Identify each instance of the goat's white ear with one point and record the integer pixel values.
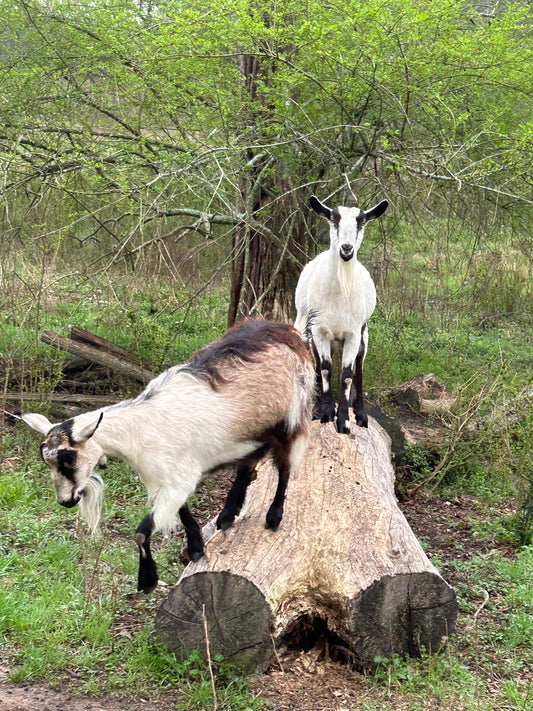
(377, 210)
(37, 422)
(81, 435)
(320, 208)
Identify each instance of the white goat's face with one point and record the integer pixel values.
(70, 453)
(347, 228)
(347, 225)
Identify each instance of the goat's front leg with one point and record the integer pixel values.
(349, 353)
(361, 417)
(195, 543)
(324, 409)
(147, 578)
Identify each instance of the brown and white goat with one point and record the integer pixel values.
(245, 395)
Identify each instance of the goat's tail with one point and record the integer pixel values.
(303, 323)
(92, 501)
(299, 414)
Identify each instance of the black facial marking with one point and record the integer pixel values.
(336, 217)
(66, 462)
(67, 427)
(360, 219)
(60, 435)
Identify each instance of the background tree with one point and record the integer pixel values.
(131, 130)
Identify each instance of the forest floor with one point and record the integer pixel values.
(312, 680)
(300, 681)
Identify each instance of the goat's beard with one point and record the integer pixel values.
(92, 501)
(345, 277)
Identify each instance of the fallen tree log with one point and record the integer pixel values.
(103, 344)
(89, 401)
(96, 355)
(344, 564)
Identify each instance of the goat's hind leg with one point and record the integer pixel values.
(237, 493)
(287, 455)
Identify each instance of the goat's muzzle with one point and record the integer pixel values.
(346, 251)
(70, 503)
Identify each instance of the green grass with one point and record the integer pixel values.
(68, 604)
(68, 608)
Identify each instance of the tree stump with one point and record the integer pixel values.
(343, 564)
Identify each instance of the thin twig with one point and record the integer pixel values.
(485, 600)
(476, 636)
(204, 618)
(276, 653)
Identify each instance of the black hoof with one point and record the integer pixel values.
(147, 590)
(324, 410)
(361, 420)
(343, 426)
(273, 518)
(224, 521)
(195, 555)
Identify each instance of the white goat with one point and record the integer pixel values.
(338, 293)
(245, 395)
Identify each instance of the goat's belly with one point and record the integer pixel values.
(216, 456)
(336, 334)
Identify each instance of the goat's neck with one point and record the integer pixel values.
(120, 434)
(343, 272)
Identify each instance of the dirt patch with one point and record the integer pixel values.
(41, 697)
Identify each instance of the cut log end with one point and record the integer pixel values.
(239, 620)
(402, 614)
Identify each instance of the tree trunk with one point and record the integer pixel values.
(344, 564)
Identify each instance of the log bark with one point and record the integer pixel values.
(95, 355)
(344, 564)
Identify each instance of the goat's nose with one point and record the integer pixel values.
(346, 252)
(70, 503)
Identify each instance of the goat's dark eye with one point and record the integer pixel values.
(66, 461)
